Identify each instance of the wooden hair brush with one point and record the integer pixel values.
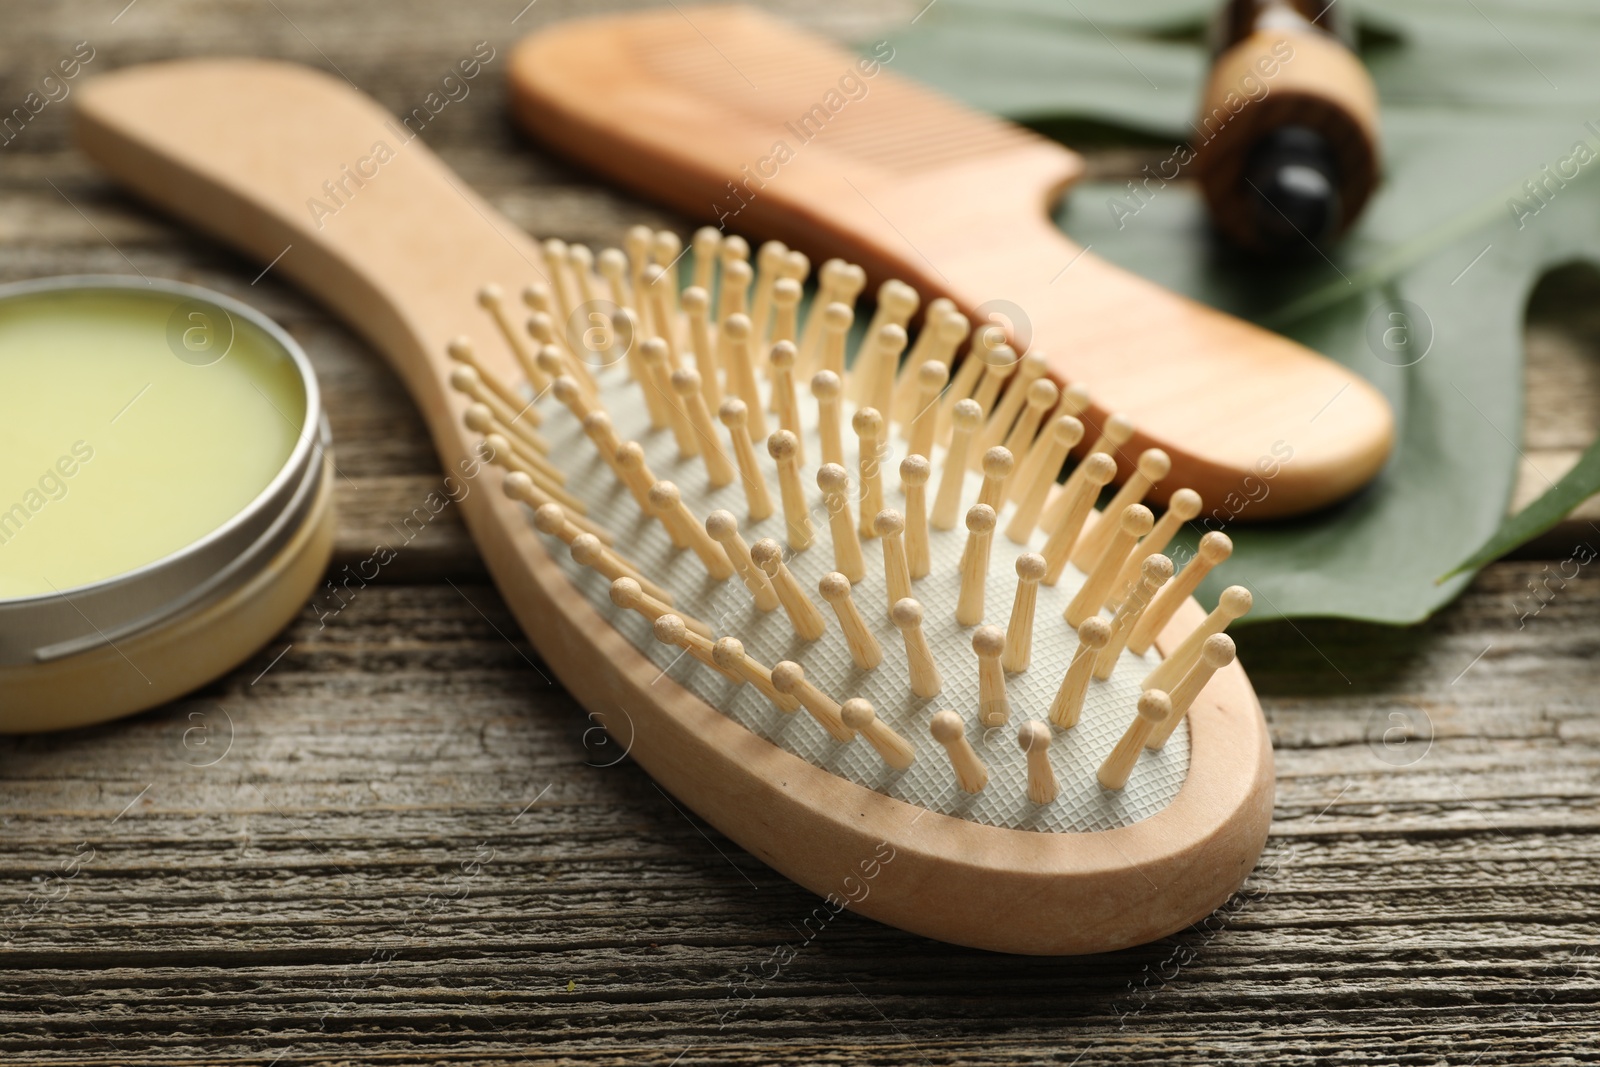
(727, 112)
(837, 607)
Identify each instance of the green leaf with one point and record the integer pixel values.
(1477, 98)
(1577, 485)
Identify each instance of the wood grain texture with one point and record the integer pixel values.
(275, 906)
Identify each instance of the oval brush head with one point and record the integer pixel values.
(864, 561)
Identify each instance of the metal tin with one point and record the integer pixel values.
(57, 625)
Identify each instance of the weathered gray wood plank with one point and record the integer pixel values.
(271, 871)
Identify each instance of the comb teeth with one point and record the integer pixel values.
(936, 638)
(797, 77)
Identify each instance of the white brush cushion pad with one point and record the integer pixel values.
(728, 609)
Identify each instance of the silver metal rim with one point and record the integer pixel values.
(54, 625)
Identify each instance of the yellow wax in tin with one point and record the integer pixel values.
(120, 442)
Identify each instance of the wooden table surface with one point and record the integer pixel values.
(387, 838)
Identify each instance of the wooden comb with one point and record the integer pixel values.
(688, 106)
(1024, 785)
